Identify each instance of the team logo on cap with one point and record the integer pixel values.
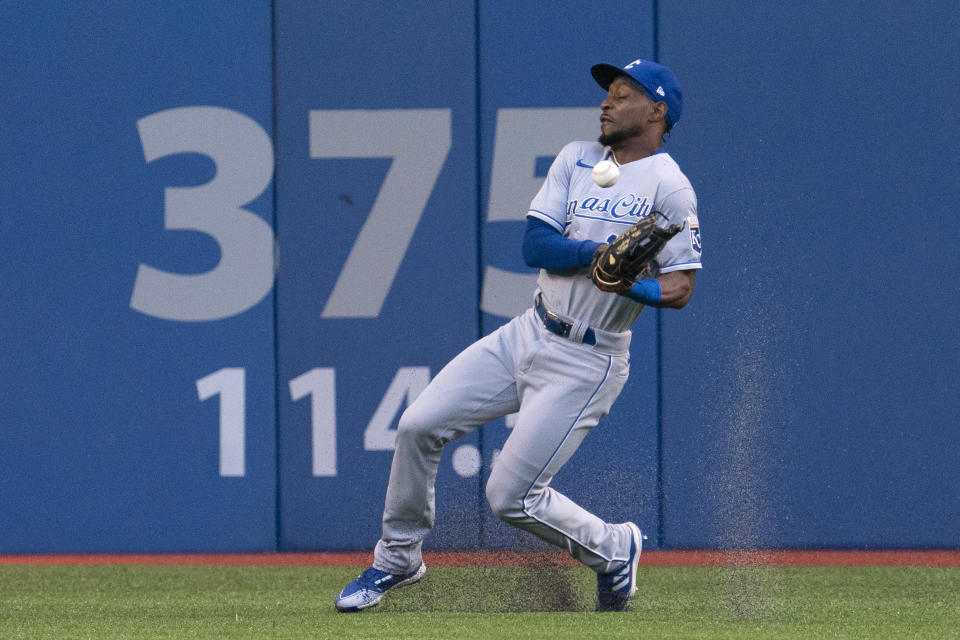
(634, 63)
(660, 92)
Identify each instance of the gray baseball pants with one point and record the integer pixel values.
(561, 389)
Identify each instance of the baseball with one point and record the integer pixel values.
(606, 173)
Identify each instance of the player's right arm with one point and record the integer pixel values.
(544, 247)
(544, 244)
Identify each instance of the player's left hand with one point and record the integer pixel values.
(620, 287)
(631, 255)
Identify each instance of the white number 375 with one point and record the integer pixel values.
(418, 140)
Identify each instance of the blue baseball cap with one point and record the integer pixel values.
(658, 81)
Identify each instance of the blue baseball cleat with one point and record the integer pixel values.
(370, 586)
(615, 589)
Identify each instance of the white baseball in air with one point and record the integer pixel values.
(606, 173)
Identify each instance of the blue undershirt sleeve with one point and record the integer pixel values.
(546, 248)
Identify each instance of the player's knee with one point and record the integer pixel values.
(410, 426)
(505, 496)
(416, 426)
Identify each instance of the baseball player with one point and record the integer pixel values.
(561, 364)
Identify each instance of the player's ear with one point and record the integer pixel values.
(659, 112)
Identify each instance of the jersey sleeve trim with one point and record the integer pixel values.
(546, 217)
(683, 266)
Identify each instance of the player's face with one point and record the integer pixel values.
(625, 113)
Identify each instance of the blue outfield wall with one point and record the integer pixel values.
(105, 444)
(822, 347)
(239, 240)
(377, 227)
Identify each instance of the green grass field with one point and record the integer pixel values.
(151, 601)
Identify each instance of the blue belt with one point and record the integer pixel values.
(554, 324)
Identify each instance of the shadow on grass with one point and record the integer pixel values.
(541, 586)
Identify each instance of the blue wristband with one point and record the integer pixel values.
(646, 291)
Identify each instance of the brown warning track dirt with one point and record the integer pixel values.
(946, 558)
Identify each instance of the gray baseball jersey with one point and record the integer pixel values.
(574, 205)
